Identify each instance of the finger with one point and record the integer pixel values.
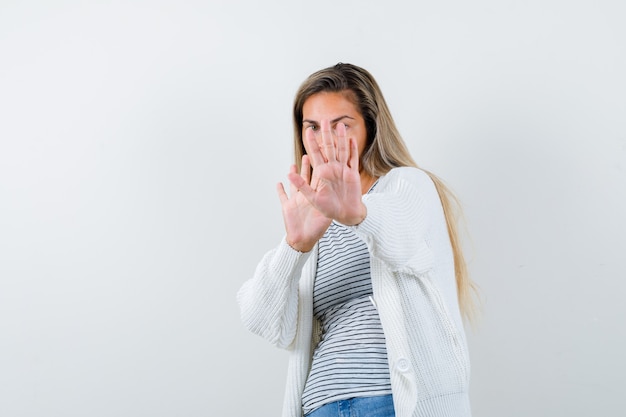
(343, 143)
(310, 177)
(305, 171)
(353, 163)
(315, 153)
(282, 195)
(292, 170)
(328, 142)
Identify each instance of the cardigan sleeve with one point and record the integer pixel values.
(268, 302)
(397, 223)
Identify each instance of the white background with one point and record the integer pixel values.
(140, 145)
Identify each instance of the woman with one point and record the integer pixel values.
(368, 286)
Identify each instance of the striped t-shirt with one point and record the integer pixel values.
(351, 358)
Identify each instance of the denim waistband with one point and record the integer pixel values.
(378, 406)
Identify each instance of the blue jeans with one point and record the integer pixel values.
(380, 406)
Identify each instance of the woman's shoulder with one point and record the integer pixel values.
(410, 180)
(408, 174)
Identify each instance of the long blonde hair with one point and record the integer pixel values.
(384, 150)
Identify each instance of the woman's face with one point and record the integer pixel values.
(325, 110)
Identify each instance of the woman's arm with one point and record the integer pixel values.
(269, 301)
(399, 211)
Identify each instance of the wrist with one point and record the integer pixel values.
(299, 246)
(364, 214)
(360, 218)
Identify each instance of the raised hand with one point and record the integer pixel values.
(305, 225)
(335, 186)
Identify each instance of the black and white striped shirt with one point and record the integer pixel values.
(351, 358)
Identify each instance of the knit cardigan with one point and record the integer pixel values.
(414, 290)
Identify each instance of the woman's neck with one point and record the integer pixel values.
(367, 181)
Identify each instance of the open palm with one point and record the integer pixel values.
(304, 224)
(335, 187)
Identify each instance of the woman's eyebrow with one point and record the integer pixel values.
(342, 117)
(345, 116)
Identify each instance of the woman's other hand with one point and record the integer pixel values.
(304, 224)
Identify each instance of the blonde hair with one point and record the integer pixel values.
(383, 151)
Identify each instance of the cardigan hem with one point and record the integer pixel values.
(449, 405)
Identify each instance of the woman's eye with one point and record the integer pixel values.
(312, 127)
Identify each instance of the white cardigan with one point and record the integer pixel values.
(414, 290)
